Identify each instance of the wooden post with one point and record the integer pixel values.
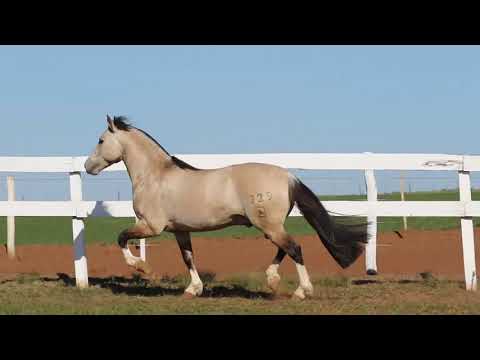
(468, 243)
(78, 228)
(371, 248)
(402, 194)
(11, 219)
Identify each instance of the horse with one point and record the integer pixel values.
(173, 196)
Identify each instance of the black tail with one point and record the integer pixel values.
(345, 242)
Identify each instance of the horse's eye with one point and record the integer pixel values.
(100, 141)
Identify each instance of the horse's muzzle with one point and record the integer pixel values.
(90, 167)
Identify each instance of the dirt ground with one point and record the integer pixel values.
(438, 252)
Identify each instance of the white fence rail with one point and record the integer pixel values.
(368, 162)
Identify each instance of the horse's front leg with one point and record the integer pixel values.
(184, 242)
(138, 231)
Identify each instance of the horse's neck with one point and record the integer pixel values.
(143, 159)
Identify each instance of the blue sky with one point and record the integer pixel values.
(243, 99)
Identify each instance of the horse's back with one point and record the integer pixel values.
(241, 180)
(258, 170)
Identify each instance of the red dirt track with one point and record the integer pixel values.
(439, 252)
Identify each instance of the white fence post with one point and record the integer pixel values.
(78, 228)
(402, 197)
(11, 219)
(371, 248)
(143, 250)
(468, 241)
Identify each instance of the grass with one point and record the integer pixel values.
(58, 230)
(242, 294)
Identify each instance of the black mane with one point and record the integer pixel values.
(182, 164)
(122, 123)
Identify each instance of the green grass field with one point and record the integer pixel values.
(57, 230)
(242, 294)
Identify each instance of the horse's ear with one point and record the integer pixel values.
(111, 124)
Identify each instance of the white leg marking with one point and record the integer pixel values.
(196, 286)
(306, 287)
(129, 258)
(273, 278)
(272, 270)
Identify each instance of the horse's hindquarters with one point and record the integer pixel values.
(263, 191)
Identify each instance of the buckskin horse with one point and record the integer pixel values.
(171, 195)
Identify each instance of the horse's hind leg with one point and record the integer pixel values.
(184, 242)
(138, 231)
(285, 242)
(273, 278)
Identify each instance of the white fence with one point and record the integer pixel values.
(368, 162)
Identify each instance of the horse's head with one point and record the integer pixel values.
(109, 150)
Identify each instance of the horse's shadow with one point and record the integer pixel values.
(143, 287)
(399, 282)
(368, 281)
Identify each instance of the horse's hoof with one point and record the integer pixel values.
(188, 295)
(298, 295)
(371, 272)
(273, 283)
(143, 267)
